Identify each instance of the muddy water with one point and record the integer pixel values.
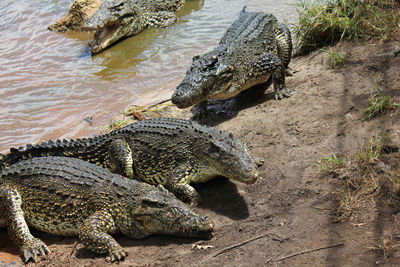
(49, 82)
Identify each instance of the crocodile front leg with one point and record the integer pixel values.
(269, 63)
(178, 183)
(278, 78)
(94, 235)
(121, 158)
(13, 218)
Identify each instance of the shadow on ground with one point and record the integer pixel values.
(221, 196)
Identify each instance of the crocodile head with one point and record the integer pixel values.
(208, 77)
(160, 212)
(114, 20)
(230, 157)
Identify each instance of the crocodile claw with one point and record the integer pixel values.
(117, 254)
(34, 248)
(283, 93)
(259, 161)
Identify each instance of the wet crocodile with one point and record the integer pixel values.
(79, 13)
(171, 152)
(71, 197)
(116, 19)
(254, 48)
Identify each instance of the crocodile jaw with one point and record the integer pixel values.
(187, 95)
(111, 32)
(184, 226)
(198, 227)
(160, 212)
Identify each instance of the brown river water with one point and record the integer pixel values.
(49, 82)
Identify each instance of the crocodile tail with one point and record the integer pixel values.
(89, 149)
(284, 39)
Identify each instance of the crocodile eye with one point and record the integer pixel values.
(211, 63)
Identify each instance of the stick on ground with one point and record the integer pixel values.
(304, 252)
(219, 252)
(159, 103)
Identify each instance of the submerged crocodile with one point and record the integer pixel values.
(69, 197)
(171, 152)
(116, 19)
(254, 48)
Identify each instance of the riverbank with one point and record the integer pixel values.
(67, 84)
(311, 206)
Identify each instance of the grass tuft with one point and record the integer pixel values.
(334, 58)
(372, 177)
(386, 245)
(379, 103)
(324, 22)
(372, 150)
(330, 164)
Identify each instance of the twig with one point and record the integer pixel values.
(73, 249)
(161, 102)
(224, 250)
(304, 252)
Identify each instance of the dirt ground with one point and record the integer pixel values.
(289, 216)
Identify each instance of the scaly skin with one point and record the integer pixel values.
(254, 48)
(69, 197)
(171, 152)
(116, 19)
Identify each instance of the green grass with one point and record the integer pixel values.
(330, 164)
(326, 22)
(334, 58)
(379, 103)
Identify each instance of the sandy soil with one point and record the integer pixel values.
(288, 217)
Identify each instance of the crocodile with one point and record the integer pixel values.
(79, 13)
(116, 19)
(254, 49)
(167, 151)
(71, 197)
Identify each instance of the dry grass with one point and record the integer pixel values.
(326, 22)
(135, 113)
(386, 245)
(372, 150)
(379, 103)
(370, 177)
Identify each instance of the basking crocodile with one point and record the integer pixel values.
(116, 19)
(68, 196)
(254, 48)
(171, 152)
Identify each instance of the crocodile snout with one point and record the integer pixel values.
(184, 96)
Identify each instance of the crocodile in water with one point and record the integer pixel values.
(116, 19)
